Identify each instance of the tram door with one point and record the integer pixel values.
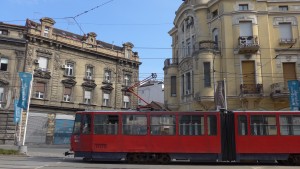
(82, 134)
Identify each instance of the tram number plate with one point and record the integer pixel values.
(100, 146)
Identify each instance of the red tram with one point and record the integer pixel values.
(187, 136)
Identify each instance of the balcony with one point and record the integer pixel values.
(279, 90)
(248, 45)
(171, 62)
(251, 90)
(287, 41)
(208, 44)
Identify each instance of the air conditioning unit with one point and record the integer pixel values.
(63, 66)
(36, 61)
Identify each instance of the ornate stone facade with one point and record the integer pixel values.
(71, 73)
(253, 45)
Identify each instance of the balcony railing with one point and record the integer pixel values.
(251, 89)
(279, 90)
(208, 44)
(287, 41)
(248, 44)
(171, 61)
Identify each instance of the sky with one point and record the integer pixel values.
(145, 23)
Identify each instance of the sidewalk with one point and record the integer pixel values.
(41, 150)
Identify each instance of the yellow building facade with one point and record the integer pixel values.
(250, 44)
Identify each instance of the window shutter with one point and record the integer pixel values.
(43, 62)
(246, 29)
(126, 99)
(106, 96)
(87, 94)
(285, 31)
(40, 87)
(68, 91)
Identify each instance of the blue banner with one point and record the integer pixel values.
(26, 78)
(294, 94)
(17, 113)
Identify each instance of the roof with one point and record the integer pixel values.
(73, 36)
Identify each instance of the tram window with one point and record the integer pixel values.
(86, 124)
(262, 125)
(289, 125)
(212, 125)
(134, 124)
(163, 125)
(77, 124)
(243, 130)
(192, 125)
(106, 124)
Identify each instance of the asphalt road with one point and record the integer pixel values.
(52, 158)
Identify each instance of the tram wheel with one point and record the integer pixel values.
(164, 159)
(131, 158)
(85, 159)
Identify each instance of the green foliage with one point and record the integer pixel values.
(8, 152)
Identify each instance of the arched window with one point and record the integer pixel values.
(215, 37)
(187, 37)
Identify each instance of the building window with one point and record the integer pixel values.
(163, 125)
(126, 101)
(215, 13)
(1, 94)
(3, 32)
(263, 125)
(67, 94)
(40, 90)
(46, 31)
(246, 29)
(207, 76)
(216, 36)
(285, 32)
(189, 47)
(43, 63)
(188, 83)
(182, 85)
(89, 73)
(3, 64)
(106, 99)
(69, 69)
(87, 96)
(192, 125)
(107, 76)
(127, 80)
(173, 86)
(289, 125)
(283, 8)
(127, 54)
(243, 7)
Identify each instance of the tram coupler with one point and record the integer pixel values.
(68, 153)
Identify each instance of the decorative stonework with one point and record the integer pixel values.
(89, 84)
(287, 19)
(42, 74)
(69, 82)
(29, 59)
(244, 17)
(186, 65)
(57, 62)
(43, 51)
(107, 87)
